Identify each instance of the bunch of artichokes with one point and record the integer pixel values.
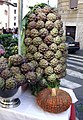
(45, 45)
(11, 75)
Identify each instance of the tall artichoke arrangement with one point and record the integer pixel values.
(46, 50)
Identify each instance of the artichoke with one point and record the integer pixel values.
(3, 60)
(43, 63)
(32, 17)
(3, 66)
(48, 70)
(25, 67)
(39, 24)
(49, 25)
(54, 62)
(58, 24)
(20, 79)
(37, 41)
(54, 32)
(33, 64)
(58, 68)
(10, 83)
(39, 73)
(41, 16)
(34, 33)
(49, 55)
(27, 41)
(43, 32)
(31, 77)
(48, 39)
(38, 56)
(58, 54)
(15, 60)
(6, 73)
(32, 25)
(53, 47)
(27, 32)
(62, 47)
(46, 10)
(29, 56)
(38, 10)
(39, 70)
(51, 17)
(15, 70)
(61, 75)
(52, 77)
(62, 60)
(32, 49)
(43, 48)
(57, 40)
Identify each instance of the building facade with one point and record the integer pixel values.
(72, 16)
(3, 15)
(13, 11)
(8, 14)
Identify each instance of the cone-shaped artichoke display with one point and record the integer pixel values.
(45, 45)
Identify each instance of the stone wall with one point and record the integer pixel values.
(72, 17)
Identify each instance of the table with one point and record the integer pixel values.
(29, 110)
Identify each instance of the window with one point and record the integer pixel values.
(14, 23)
(14, 17)
(14, 11)
(73, 4)
(15, 4)
(5, 12)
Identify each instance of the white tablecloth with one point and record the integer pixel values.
(29, 110)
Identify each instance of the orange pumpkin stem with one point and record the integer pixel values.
(54, 91)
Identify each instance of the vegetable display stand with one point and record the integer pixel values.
(46, 52)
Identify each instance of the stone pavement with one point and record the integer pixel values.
(79, 109)
(79, 52)
(79, 104)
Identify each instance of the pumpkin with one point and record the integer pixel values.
(54, 100)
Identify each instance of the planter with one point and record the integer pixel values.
(8, 93)
(9, 98)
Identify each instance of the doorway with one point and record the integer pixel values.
(71, 31)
